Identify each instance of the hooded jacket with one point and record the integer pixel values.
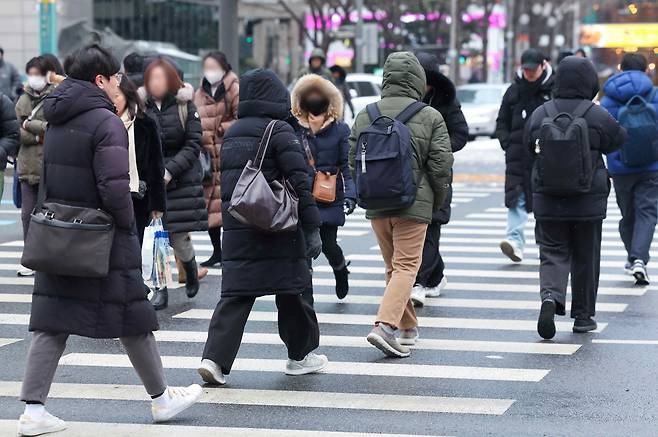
(577, 81)
(9, 131)
(519, 102)
(404, 84)
(322, 71)
(329, 146)
(443, 98)
(618, 90)
(86, 164)
(256, 263)
(181, 145)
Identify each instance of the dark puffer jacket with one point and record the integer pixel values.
(519, 102)
(443, 98)
(577, 81)
(258, 263)
(186, 208)
(86, 164)
(9, 131)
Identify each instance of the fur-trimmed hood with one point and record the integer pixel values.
(313, 81)
(183, 95)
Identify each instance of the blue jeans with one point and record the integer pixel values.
(637, 197)
(517, 218)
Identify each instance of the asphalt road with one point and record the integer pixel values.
(479, 368)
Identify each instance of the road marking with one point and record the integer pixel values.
(424, 322)
(529, 233)
(503, 224)
(8, 341)
(626, 342)
(528, 251)
(503, 216)
(15, 298)
(14, 319)
(360, 342)
(333, 368)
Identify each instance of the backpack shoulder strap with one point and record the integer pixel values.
(373, 111)
(652, 95)
(182, 113)
(411, 110)
(551, 109)
(582, 108)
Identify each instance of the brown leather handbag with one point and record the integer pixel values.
(324, 183)
(268, 206)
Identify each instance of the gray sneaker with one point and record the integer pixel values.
(408, 337)
(387, 343)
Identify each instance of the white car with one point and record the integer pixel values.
(480, 104)
(364, 89)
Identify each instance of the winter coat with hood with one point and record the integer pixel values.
(329, 146)
(32, 128)
(257, 263)
(186, 208)
(86, 164)
(576, 82)
(618, 90)
(217, 113)
(443, 98)
(322, 71)
(404, 84)
(9, 131)
(519, 102)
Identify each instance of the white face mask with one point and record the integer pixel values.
(214, 76)
(37, 83)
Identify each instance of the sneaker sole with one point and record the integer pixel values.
(508, 251)
(42, 431)
(546, 322)
(383, 346)
(209, 378)
(408, 342)
(584, 329)
(306, 370)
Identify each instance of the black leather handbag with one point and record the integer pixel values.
(68, 240)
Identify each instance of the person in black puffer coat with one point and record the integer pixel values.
(531, 89)
(257, 263)
(442, 96)
(568, 229)
(318, 107)
(169, 101)
(86, 165)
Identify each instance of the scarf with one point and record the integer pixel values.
(129, 124)
(316, 122)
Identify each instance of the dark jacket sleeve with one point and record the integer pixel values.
(291, 162)
(9, 131)
(111, 171)
(188, 155)
(156, 189)
(346, 174)
(504, 120)
(613, 135)
(456, 124)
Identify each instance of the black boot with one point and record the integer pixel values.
(342, 283)
(160, 299)
(546, 322)
(192, 274)
(216, 240)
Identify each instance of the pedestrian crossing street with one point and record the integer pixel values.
(479, 354)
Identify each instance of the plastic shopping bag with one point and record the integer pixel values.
(148, 248)
(162, 260)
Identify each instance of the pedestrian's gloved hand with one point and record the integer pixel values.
(313, 243)
(350, 205)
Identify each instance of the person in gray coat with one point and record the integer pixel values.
(10, 80)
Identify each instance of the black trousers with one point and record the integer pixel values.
(298, 328)
(431, 269)
(570, 247)
(330, 247)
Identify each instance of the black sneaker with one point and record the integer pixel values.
(584, 325)
(342, 281)
(546, 323)
(640, 273)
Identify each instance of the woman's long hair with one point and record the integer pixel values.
(174, 82)
(134, 104)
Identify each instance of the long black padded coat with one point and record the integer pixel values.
(86, 164)
(186, 207)
(256, 263)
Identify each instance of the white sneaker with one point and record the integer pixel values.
(24, 271)
(312, 363)
(418, 295)
(211, 373)
(178, 400)
(436, 291)
(511, 251)
(47, 423)
(408, 337)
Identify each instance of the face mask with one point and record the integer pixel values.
(214, 76)
(37, 83)
(317, 107)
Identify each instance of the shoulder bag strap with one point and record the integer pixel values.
(307, 149)
(264, 143)
(408, 112)
(36, 108)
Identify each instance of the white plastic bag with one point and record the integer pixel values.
(162, 260)
(148, 248)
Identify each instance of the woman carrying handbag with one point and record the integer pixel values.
(318, 107)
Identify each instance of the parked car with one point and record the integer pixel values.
(480, 103)
(365, 89)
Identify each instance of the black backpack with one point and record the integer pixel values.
(563, 158)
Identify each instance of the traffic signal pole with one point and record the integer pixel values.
(228, 31)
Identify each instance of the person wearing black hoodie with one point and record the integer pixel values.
(531, 89)
(441, 95)
(568, 228)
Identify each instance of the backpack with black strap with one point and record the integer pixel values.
(638, 116)
(384, 161)
(563, 163)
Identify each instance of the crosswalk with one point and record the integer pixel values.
(478, 356)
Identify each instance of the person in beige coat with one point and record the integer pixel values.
(217, 103)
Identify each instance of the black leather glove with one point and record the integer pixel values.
(313, 243)
(350, 205)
